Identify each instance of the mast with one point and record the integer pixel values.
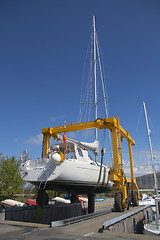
(151, 152)
(95, 80)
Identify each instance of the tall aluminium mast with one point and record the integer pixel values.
(96, 48)
(151, 152)
(95, 80)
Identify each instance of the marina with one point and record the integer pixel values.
(67, 166)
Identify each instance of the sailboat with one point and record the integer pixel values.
(67, 167)
(153, 227)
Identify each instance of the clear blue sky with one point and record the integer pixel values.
(42, 51)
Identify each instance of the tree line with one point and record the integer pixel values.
(10, 179)
(11, 182)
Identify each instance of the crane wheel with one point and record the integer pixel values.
(135, 198)
(118, 202)
(128, 200)
(127, 203)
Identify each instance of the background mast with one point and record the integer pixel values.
(151, 152)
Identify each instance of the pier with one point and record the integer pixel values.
(103, 224)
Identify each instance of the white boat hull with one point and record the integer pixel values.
(152, 228)
(148, 201)
(7, 203)
(69, 176)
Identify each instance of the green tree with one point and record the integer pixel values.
(10, 180)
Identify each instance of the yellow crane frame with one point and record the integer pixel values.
(116, 175)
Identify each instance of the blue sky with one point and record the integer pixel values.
(42, 52)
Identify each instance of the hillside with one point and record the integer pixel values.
(147, 181)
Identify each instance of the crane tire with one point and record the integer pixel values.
(135, 198)
(118, 202)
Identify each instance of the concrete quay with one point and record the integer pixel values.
(88, 229)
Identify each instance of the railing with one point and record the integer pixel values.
(109, 223)
(78, 219)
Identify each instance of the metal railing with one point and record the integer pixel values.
(109, 223)
(78, 219)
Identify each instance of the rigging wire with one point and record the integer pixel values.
(82, 97)
(86, 91)
(104, 94)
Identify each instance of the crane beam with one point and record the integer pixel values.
(105, 123)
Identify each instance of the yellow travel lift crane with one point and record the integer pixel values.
(126, 188)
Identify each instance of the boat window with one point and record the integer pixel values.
(61, 150)
(69, 150)
(80, 152)
(70, 155)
